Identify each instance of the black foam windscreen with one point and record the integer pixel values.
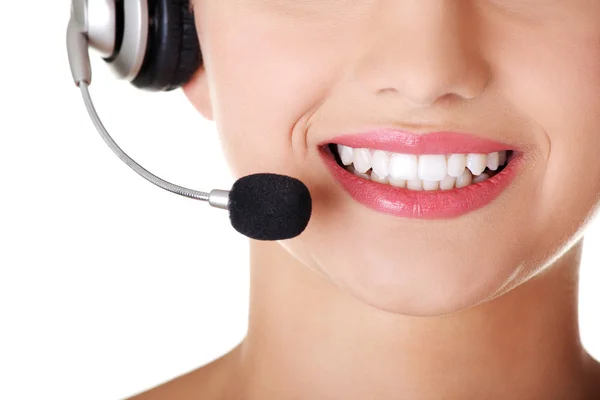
(269, 206)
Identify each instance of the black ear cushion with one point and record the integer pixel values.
(173, 52)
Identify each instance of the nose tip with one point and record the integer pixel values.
(424, 88)
(431, 53)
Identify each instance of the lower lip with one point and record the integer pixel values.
(435, 204)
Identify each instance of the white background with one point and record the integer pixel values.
(108, 284)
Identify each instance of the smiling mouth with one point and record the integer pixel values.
(427, 175)
(420, 172)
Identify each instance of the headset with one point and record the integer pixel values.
(154, 45)
(151, 43)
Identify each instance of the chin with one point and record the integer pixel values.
(418, 268)
(414, 284)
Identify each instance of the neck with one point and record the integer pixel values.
(309, 339)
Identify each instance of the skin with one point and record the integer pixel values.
(367, 305)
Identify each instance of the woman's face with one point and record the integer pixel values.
(282, 77)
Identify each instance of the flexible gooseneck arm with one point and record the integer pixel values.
(79, 61)
(194, 194)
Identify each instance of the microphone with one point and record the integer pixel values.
(261, 206)
(267, 206)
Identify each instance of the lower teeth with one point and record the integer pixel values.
(466, 179)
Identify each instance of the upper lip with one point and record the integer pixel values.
(438, 142)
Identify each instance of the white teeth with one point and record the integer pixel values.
(346, 154)
(403, 166)
(421, 172)
(431, 185)
(493, 161)
(480, 178)
(432, 167)
(414, 184)
(464, 179)
(501, 157)
(476, 163)
(381, 163)
(378, 178)
(447, 183)
(362, 160)
(456, 165)
(397, 182)
(355, 172)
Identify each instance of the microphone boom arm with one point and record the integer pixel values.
(216, 198)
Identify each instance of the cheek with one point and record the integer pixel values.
(555, 82)
(264, 84)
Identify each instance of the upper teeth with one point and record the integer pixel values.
(426, 167)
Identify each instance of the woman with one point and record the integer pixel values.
(435, 265)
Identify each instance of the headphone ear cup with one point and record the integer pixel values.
(173, 51)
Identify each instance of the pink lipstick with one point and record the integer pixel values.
(407, 203)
